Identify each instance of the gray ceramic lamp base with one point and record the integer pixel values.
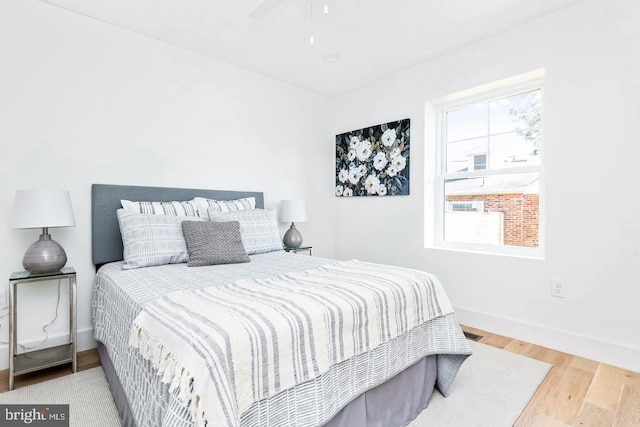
(44, 256)
(292, 238)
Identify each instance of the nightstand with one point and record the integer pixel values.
(32, 361)
(299, 249)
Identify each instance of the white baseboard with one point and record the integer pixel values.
(85, 341)
(624, 357)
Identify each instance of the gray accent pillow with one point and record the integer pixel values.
(212, 243)
(150, 240)
(258, 227)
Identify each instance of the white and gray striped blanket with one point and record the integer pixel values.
(223, 348)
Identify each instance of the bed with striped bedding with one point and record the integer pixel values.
(430, 327)
(250, 339)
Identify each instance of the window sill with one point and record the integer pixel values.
(525, 253)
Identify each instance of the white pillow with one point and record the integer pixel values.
(204, 205)
(150, 240)
(258, 227)
(188, 208)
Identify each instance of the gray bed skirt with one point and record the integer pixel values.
(394, 403)
(120, 399)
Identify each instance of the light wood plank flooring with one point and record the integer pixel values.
(86, 360)
(576, 392)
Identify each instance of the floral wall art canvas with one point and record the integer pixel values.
(373, 161)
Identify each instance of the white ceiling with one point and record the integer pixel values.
(373, 38)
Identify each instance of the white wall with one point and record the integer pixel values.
(591, 53)
(83, 102)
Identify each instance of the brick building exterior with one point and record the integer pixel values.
(521, 215)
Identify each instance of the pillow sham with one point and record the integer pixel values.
(213, 243)
(204, 205)
(150, 240)
(188, 208)
(258, 227)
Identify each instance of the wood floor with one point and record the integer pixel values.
(576, 392)
(86, 360)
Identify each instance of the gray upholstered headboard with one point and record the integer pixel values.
(106, 243)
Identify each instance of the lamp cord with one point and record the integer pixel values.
(5, 313)
(45, 327)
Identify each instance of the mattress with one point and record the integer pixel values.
(119, 296)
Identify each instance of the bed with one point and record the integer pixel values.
(383, 380)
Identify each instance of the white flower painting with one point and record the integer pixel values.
(373, 161)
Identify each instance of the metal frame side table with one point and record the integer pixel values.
(32, 361)
(299, 249)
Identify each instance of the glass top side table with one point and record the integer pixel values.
(32, 361)
(299, 249)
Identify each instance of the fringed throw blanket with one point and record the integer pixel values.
(226, 347)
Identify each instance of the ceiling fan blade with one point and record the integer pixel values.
(263, 8)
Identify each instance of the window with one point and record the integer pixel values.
(479, 162)
(465, 206)
(488, 178)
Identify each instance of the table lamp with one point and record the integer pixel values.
(292, 211)
(43, 209)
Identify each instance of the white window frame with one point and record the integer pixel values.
(435, 112)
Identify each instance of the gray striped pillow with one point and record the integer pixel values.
(258, 227)
(223, 205)
(150, 240)
(213, 243)
(188, 208)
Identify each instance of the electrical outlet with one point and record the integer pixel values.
(558, 288)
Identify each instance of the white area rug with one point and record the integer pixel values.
(492, 388)
(86, 392)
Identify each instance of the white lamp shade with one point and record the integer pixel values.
(293, 211)
(42, 208)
